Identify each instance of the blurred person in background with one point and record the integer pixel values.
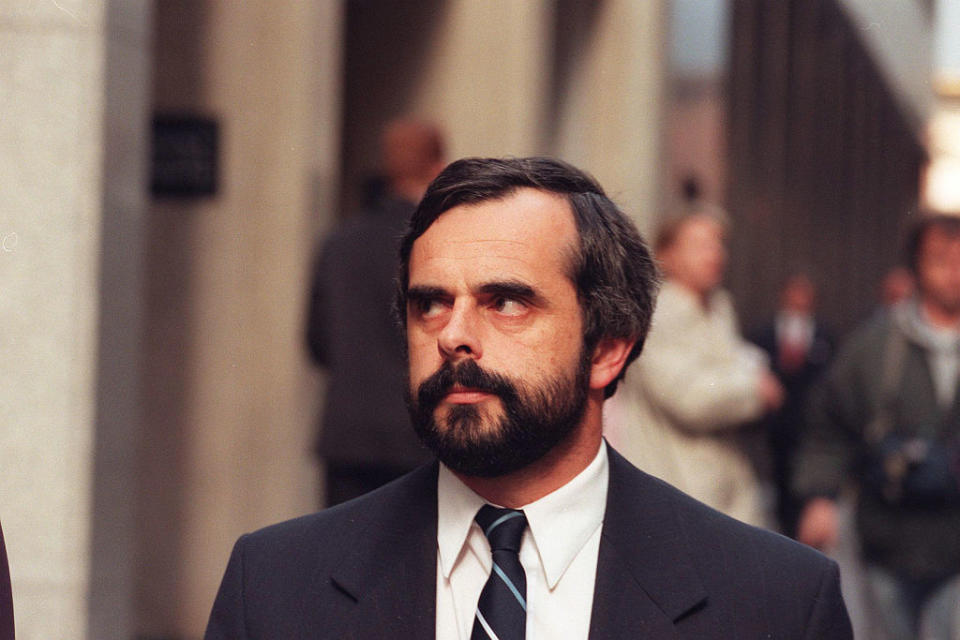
(941, 615)
(364, 438)
(700, 384)
(799, 347)
(887, 419)
(897, 285)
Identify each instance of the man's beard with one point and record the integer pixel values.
(533, 419)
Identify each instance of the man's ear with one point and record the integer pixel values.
(609, 357)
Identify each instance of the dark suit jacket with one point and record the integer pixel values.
(817, 358)
(352, 334)
(784, 427)
(668, 567)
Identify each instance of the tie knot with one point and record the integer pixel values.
(503, 527)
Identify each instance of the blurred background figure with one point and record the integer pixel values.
(799, 347)
(698, 383)
(887, 419)
(897, 285)
(364, 438)
(941, 615)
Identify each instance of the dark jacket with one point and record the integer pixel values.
(797, 381)
(668, 567)
(352, 334)
(918, 543)
(784, 427)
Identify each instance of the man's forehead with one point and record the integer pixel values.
(700, 225)
(519, 217)
(938, 243)
(527, 235)
(943, 234)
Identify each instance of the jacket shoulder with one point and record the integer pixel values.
(705, 527)
(314, 541)
(750, 578)
(281, 581)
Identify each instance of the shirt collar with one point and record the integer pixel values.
(561, 522)
(912, 319)
(795, 327)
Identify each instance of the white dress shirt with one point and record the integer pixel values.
(558, 553)
(795, 329)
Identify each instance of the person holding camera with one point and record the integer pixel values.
(886, 419)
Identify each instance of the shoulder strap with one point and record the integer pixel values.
(894, 355)
(950, 426)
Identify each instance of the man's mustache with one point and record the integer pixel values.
(466, 374)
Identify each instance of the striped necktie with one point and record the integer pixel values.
(502, 609)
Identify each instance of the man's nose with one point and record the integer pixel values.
(459, 338)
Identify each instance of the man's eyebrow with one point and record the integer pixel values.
(417, 293)
(512, 289)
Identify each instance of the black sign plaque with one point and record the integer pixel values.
(184, 156)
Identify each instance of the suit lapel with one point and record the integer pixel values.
(385, 583)
(645, 579)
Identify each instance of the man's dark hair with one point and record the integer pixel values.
(926, 222)
(615, 277)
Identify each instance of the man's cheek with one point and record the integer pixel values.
(420, 371)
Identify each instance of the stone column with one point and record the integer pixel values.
(610, 101)
(487, 76)
(73, 87)
(230, 399)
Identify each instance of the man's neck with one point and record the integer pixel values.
(939, 317)
(558, 467)
(702, 297)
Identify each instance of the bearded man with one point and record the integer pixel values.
(524, 292)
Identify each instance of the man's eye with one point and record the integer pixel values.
(509, 306)
(427, 307)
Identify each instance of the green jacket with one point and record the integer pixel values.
(912, 542)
